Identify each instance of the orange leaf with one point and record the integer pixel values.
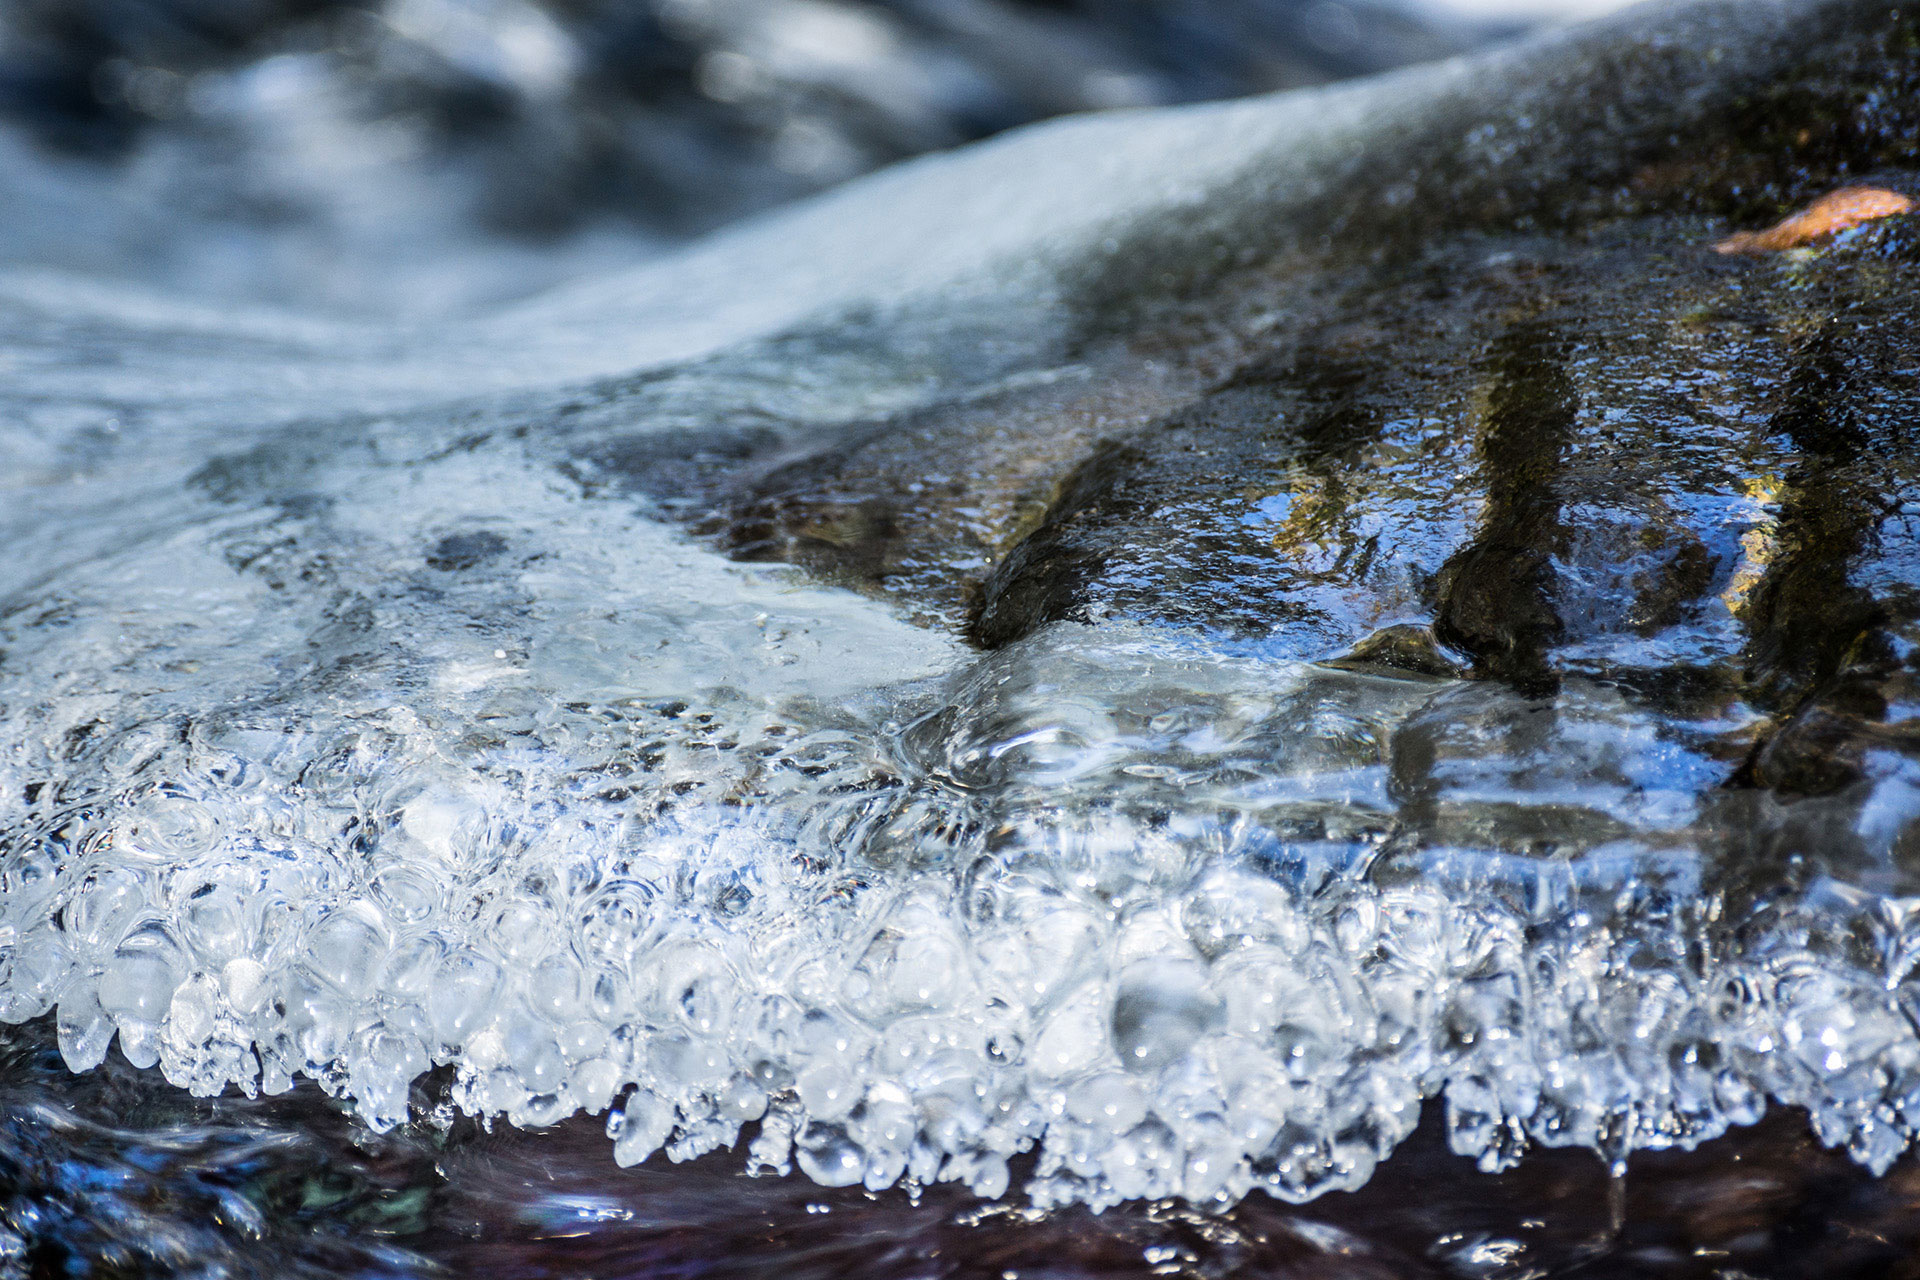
(1835, 211)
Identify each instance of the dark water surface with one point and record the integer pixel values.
(116, 1174)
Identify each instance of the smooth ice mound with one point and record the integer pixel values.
(348, 740)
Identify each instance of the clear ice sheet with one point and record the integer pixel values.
(344, 742)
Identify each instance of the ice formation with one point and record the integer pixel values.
(352, 743)
(426, 764)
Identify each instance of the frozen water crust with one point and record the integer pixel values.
(364, 744)
(436, 763)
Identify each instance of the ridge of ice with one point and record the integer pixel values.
(606, 822)
(607, 811)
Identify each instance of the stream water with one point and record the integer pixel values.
(1027, 716)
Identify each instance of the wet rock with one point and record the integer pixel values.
(1046, 577)
(1818, 749)
(1403, 647)
(1534, 412)
(459, 551)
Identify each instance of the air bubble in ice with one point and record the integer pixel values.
(1161, 1009)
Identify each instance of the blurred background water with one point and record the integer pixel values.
(421, 157)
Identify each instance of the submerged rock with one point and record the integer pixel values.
(1303, 608)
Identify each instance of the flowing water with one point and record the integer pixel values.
(1051, 704)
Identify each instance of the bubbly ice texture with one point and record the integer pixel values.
(347, 729)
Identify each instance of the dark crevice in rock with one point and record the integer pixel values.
(1046, 578)
(920, 506)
